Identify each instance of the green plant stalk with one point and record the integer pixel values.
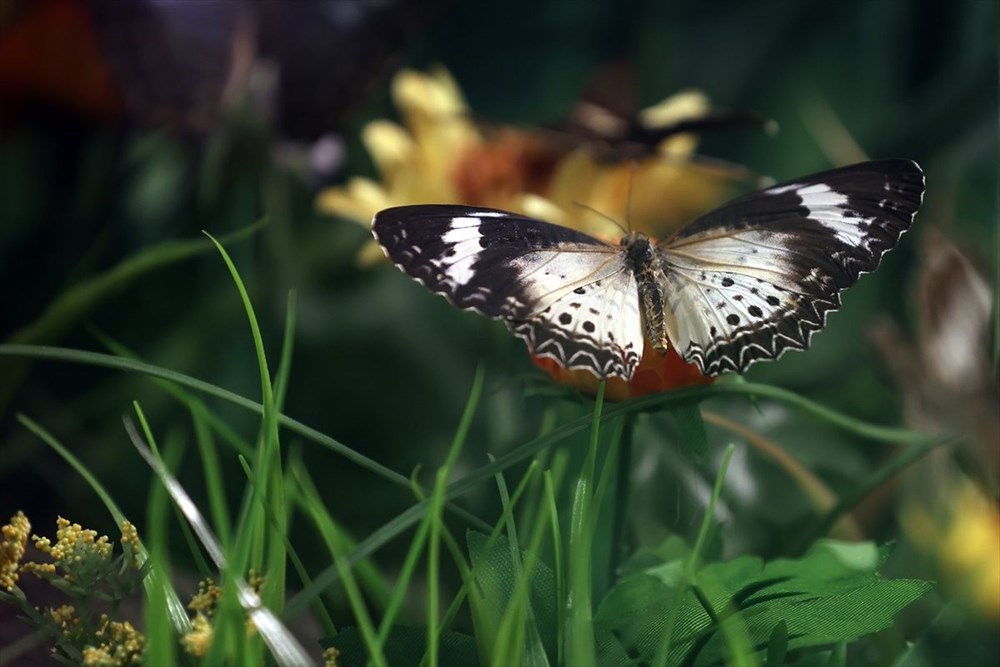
(403, 581)
(318, 608)
(161, 643)
(623, 492)
(580, 648)
(608, 465)
(312, 504)
(217, 505)
(550, 496)
(518, 638)
(740, 650)
(200, 563)
(466, 574)
(908, 457)
(434, 550)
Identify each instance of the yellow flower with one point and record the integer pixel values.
(199, 639)
(75, 547)
(440, 156)
(330, 656)
(130, 542)
(206, 599)
(965, 542)
(121, 644)
(15, 537)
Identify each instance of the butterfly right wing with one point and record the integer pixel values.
(568, 295)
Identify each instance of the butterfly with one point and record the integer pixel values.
(745, 282)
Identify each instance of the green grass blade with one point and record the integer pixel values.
(550, 497)
(285, 649)
(313, 505)
(133, 365)
(214, 484)
(268, 461)
(161, 643)
(67, 308)
(851, 499)
(580, 648)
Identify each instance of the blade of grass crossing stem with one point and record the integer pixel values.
(485, 631)
(691, 563)
(194, 405)
(200, 563)
(161, 643)
(740, 650)
(849, 500)
(214, 484)
(464, 571)
(313, 505)
(686, 395)
(436, 509)
(176, 610)
(580, 649)
(518, 640)
(403, 580)
(434, 550)
(268, 461)
(285, 649)
(86, 294)
(321, 613)
(602, 576)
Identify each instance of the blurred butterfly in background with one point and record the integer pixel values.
(745, 282)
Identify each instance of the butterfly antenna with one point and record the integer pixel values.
(601, 214)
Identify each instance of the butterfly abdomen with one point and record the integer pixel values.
(641, 258)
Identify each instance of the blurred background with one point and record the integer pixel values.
(125, 126)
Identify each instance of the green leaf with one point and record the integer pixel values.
(777, 645)
(404, 647)
(692, 427)
(496, 578)
(833, 594)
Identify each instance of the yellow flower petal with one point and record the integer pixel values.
(359, 200)
(389, 146)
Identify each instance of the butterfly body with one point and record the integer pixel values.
(745, 282)
(646, 263)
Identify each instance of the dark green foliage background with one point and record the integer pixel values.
(384, 367)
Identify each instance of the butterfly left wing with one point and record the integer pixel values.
(758, 275)
(568, 295)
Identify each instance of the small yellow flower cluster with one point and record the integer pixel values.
(65, 617)
(207, 597)
(121, 644)
(75, 545)
(203, 604)
(130, 541)
(15, 537)
(197, 641)
(330, 656)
